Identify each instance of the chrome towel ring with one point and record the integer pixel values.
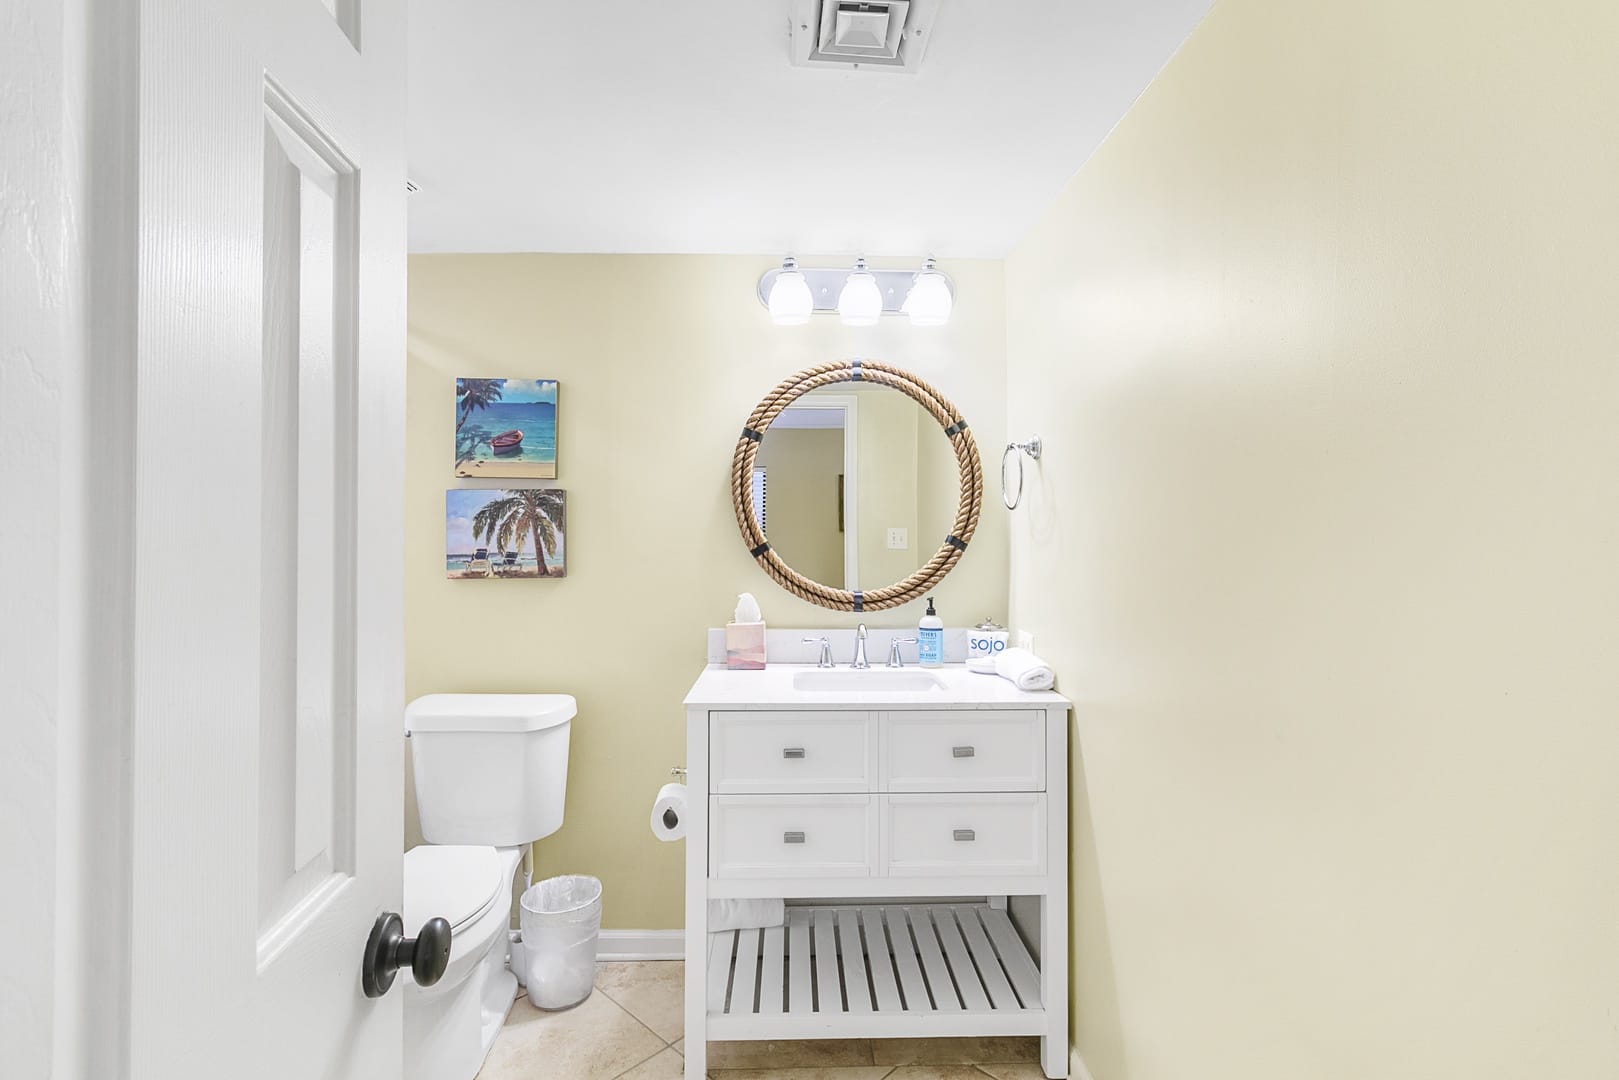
(1032, 449)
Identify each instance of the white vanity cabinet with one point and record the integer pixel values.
(920, 839)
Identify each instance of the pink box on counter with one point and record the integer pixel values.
(745, 646)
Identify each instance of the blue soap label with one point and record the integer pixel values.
(930, 646)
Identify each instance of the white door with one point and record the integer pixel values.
(265, 784)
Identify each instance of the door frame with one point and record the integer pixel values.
(69, 294)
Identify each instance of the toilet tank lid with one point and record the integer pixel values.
(489, 712)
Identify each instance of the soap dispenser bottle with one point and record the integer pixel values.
(930, 639)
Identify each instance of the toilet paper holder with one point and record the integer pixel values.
(679, 772)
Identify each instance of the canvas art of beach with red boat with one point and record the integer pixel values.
(506, 428)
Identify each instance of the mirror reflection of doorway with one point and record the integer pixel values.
(809, 460)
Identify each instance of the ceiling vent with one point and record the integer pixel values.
(880, 35)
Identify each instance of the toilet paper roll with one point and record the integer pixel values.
(669, 812)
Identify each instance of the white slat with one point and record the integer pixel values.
(910, 975)
(720, 947)
(1025, 976)
(770, 974)
(747, 971)
(955, 950)
(852, 962)
(828, 988)
(878, 962)
(989, 967)
(799, 995)
(874, 966)
(944, 997)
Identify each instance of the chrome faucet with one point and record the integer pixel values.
(825, 660)
(860, 660)
(894, 658)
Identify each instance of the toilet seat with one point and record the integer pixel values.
(456, 882)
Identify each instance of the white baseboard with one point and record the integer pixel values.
(642, 945)
(1076, 1066)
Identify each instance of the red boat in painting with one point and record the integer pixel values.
(507, 442)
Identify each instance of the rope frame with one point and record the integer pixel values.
(961, 441)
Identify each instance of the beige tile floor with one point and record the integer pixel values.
(630, 1029)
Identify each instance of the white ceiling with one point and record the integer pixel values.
(680, 125)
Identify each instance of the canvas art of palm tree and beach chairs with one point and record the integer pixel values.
(494, 533)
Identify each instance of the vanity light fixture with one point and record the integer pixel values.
(929, 301)
(790, 301)
(860, 302)
(860, 296)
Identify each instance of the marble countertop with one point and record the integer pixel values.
(773, 688)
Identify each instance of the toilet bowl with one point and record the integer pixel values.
(491, 776)
(450, 1025)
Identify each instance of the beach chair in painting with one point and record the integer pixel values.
(479, 563)
(508, 562)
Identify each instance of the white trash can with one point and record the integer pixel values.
(561, 919)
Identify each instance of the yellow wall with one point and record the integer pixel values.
(1324, 344)
(661, 358)
(886, 495)
(802, 466)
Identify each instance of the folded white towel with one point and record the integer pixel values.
(745, 914)
(1024, 669)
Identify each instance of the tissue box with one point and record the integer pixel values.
(745, 646)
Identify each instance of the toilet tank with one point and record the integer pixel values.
(489, 768)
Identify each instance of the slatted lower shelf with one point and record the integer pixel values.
(877, 971)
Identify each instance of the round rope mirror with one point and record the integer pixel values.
(962, 444)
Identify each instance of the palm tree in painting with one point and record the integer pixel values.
(473, 394)
(506, 522)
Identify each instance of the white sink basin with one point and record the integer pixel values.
(870, 680)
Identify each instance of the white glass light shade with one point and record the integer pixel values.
(790, 299)
(929, 302)
(861, 301)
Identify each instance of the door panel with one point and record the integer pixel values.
(266, 776)
(306, 718)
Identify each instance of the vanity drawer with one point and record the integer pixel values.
(791, 752)
(771, 836)
(964, 835)
(964, 751)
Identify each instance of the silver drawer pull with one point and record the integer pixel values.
(962, 751)
(792, 751)
(792, 837)
(964, 834)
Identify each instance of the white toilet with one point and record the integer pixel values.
(491, 773)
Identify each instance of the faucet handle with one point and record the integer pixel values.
(825, 659)
(894, 658)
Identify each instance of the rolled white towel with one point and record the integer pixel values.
(1024, 670)
(745, 914)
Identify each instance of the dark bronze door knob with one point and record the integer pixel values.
(388, 949)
